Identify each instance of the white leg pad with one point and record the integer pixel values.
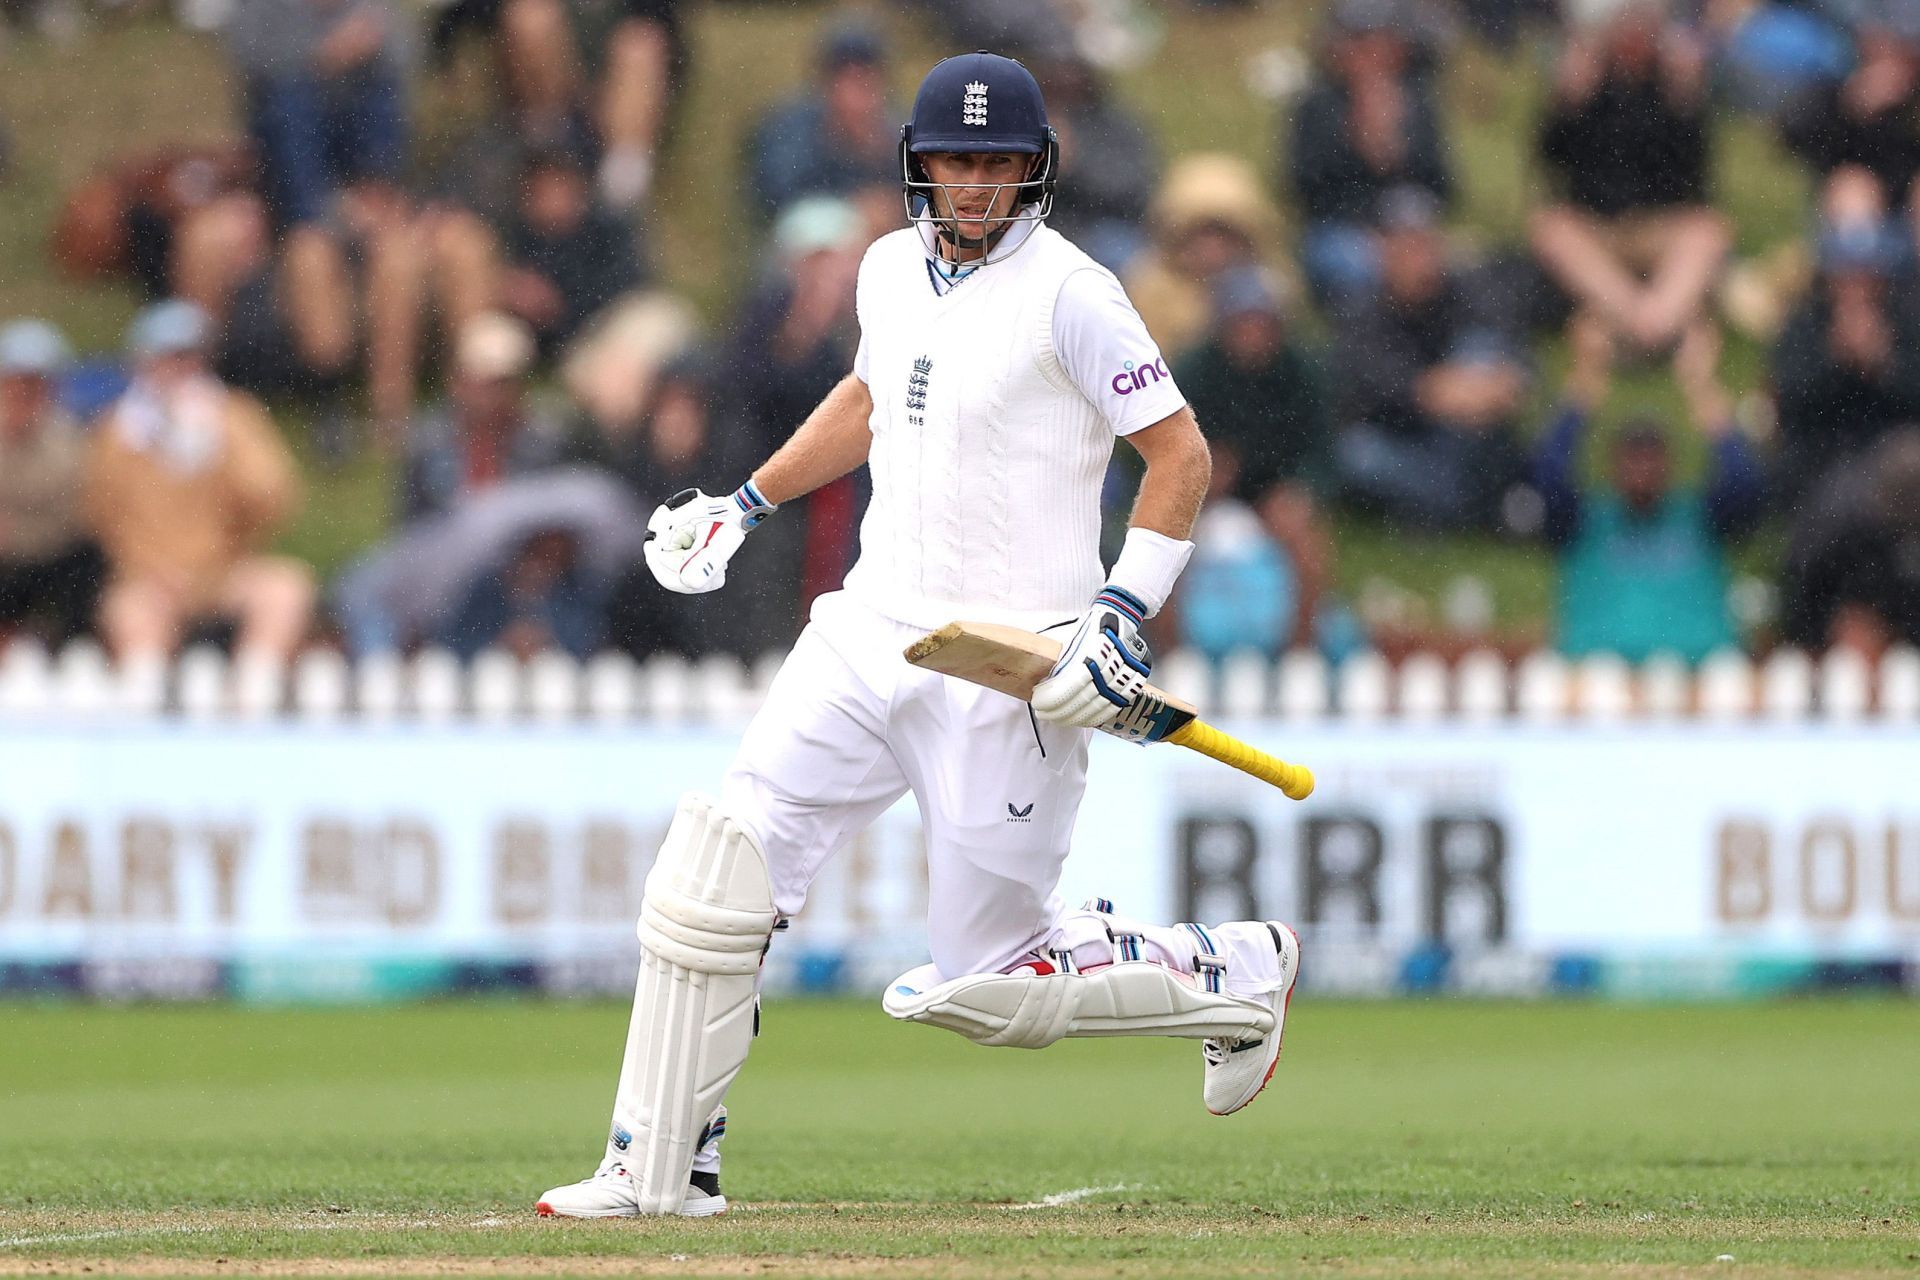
(704, 924)
(1132, 998)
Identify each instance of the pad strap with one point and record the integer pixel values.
(1209, 967)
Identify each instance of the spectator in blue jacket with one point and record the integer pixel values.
(1642, 559)
(838, 138)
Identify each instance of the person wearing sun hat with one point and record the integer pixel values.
(187, 482)
(487, 429)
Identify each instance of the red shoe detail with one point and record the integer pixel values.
(544, 1210)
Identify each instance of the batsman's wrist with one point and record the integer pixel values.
(753, 506)
(1122, 601)
(1149, 565)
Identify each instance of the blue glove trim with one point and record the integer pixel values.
(1104, 689)
(1123, 600)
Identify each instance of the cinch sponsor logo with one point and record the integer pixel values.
(1133, 377)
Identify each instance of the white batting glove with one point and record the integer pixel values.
(692, 536)
(1103, 666)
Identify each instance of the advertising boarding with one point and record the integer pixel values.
(302, 862)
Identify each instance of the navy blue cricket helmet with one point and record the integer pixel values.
(980, 102)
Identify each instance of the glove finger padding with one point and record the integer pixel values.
(1076, 702)
(1102, 668)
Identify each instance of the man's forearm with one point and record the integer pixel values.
(1179, 467)
(1173, 490)
(1170, 506)
(831, 442)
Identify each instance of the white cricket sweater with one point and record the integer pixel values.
(995, 405)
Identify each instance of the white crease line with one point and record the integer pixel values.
(79, 1237)
(1074, 1196)
(346, 1222)
(341, 1223)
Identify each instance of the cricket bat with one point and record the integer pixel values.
(1013, 661)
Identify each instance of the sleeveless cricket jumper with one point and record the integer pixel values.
(990, 444)
(986, 459)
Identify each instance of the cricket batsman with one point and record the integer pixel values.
(996, 364)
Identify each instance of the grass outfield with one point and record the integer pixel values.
(1398, 1140)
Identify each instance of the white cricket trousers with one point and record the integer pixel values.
(849, 726)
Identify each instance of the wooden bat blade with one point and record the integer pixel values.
(1003, 658)
(1006, 659)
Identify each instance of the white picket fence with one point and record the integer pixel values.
(79, 683)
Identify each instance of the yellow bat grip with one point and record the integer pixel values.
(1197, 735)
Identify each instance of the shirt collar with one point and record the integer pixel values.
(946, 276)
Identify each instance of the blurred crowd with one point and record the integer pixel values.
(496, 323)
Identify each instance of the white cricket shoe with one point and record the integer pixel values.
(1237, 1070)
(610, 1193)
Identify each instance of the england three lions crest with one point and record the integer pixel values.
(917, 390)
(973, 105)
